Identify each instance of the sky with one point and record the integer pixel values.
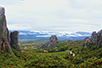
(53, 15)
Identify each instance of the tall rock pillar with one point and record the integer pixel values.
(4, 34)
(14, 40)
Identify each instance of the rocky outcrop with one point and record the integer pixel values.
(4, 34)
(94, 37)
(86, 42)
(97, 38)
(14, 40)
(51, 43)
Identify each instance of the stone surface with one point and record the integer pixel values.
(2, 11)
(14, 40)
(94, 38)
(52, 42)
(97, 38)
(4, 34)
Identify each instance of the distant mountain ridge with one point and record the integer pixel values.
(36, 35)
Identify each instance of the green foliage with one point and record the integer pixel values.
(13, 46)
(51, 50)
(7, 60)
(89, 57)
(14, 32)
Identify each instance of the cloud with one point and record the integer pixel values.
(53, 15)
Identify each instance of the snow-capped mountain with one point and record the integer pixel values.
(46, 34)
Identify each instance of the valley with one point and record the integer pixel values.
(50, 34)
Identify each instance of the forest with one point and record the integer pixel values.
(69, 54)
(52, 53)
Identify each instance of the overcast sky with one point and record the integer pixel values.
(53, 15)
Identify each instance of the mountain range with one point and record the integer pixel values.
(61, 35)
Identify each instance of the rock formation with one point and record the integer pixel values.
(97, 38)
(51, 43)
(4, 34)
(14, 40)
(94, 37)
(86, 43)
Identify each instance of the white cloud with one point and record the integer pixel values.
(54, 15)
(18, 27)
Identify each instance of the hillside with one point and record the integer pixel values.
(90, 57)
(48, 49)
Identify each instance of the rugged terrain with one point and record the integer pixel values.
(86, 53)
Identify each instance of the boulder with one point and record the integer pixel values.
(4, 34)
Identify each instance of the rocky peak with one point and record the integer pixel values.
(4, 34)
(86, 39)
(96, 38)
(86, 42)
(53, 38)
(52, 42)
(100, 34)
(2, 11)
(14, 40)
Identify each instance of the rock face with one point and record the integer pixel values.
(97, 38)
(4, 34)
(94, 37)
(2, 11)
(52, 42)
(14, 40)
